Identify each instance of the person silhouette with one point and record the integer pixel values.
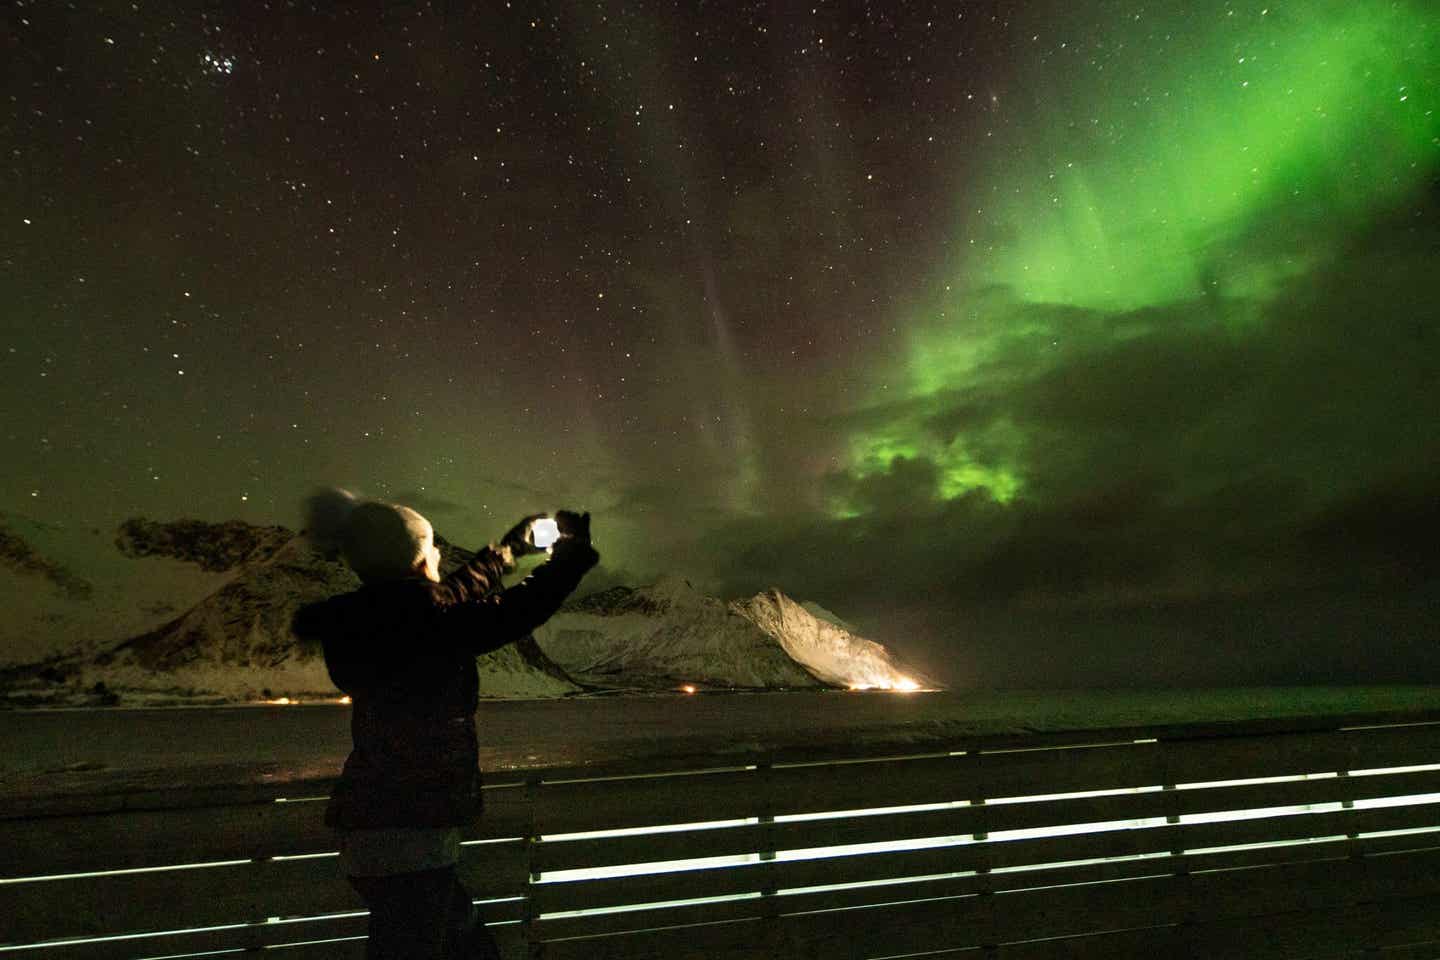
(403, 648)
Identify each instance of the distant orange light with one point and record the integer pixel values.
(894, 684)
(688, 688)
(344, 699)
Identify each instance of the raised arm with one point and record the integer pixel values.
(481, 576)
(471, 611)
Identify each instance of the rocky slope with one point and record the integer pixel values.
(66, 586)
(827, 646)
(669, 636)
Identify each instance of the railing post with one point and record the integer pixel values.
(535, 949)
(984, 886)
(766, 816)
(1179, 865)
(252, 938)
(767, 813)
(772, 934)
(1348, 803)
(1355, 853)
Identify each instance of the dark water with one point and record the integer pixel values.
(63, 751)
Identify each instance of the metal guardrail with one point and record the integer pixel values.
(1289, 838)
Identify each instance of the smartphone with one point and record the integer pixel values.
(544, 532)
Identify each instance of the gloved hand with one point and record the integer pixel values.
(519, 540)
(574, 526)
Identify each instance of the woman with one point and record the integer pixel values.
(403, 647)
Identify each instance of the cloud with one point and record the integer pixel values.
(1188, 469)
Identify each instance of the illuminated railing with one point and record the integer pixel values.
(1300, 838)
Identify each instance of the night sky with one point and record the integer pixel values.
(1072, 342)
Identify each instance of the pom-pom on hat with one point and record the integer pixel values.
(380, 541)
(326, 514)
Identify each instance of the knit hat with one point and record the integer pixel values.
(380, 541)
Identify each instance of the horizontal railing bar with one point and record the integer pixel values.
(562, 927)
(1069, 916)
(1144, 943)
(1198, 836)
(247, 937)
(173, 943)
(991, 817)
(1295, 792)
(1234, 758)
(311, 791)
(774, 874)
(164, 837)
(1289, 936)
(909, 743)
(725, 940)
(245, 892)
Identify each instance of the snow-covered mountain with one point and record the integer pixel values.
(668, 636)
(234, 642)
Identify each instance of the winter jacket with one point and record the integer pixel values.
(404, 650)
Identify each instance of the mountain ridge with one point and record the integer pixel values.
(235, 644)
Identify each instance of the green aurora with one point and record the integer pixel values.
(1054, 343)
(1208, 170)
